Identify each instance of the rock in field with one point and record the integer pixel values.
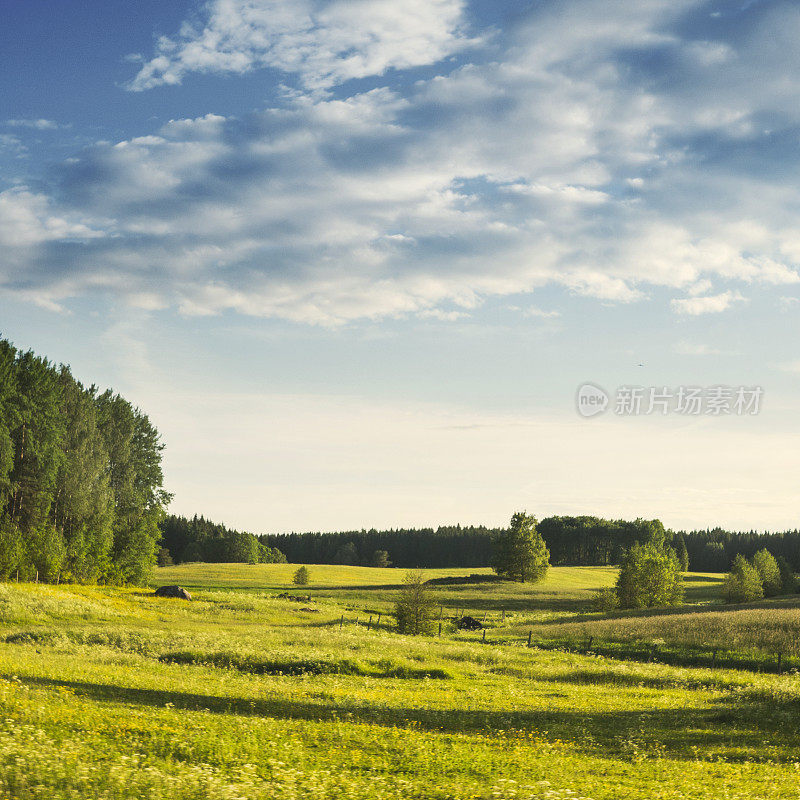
(173, 591)
(468, 624)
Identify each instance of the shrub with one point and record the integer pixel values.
(768, 572)
(742, 583)
(605, 600)
(415, 606)
(649, 576)
(301, 577)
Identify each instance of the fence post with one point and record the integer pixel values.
(440, 630)
(779, 663)
(378, 623)
(589, 646)
(484, 615)
(530, 633)
(504, 615)
(369, 624)
(441, 611)
(341, 622)
(484, 635)
(714, 658)
(37, 576)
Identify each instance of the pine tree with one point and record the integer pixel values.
(520, 552)
(788, 579)
(682, 553)
(301, 577)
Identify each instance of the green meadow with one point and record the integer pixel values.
(113, 693)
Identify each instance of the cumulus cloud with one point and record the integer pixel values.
(561, 159)
(324, 43)
(709, 304)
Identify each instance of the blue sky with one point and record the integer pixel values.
(354, 257)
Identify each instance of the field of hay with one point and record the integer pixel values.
(113, 693)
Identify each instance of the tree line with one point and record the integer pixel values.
(571, 541)
(81, 484)
(445, 546)
(200, 539)
(714, 550)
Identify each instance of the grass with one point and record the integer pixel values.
(112, 693)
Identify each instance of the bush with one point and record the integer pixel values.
(742, 583)
(301, 577)
(649, 576)
(768, 572)
(605, 600)
(415, 607)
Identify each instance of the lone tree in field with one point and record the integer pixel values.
(415, 606)
(742, 583)
(649, 576)
(520, 552)
(301, 577)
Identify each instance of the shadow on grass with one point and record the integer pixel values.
(733, 731)
(786, 603)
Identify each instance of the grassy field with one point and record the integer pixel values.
(112, 693)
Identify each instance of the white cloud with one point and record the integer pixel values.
(36, 124)
(553, 163)
(709, 304)
(789, 366)
(698, 349)
(325, 43)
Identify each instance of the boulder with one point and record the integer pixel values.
(468, 624)
(173, 591)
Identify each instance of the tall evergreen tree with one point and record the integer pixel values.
(681, 552)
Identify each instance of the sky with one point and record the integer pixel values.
(355, 258)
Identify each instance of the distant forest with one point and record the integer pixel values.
(81, 486)
(572, 541)
(199, 539)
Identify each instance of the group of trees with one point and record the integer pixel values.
(593, 541)
(762, 576)
(714, 550)
(199, 539)
(446, 546)
(81, 485)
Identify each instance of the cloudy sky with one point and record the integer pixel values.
(355, 257)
